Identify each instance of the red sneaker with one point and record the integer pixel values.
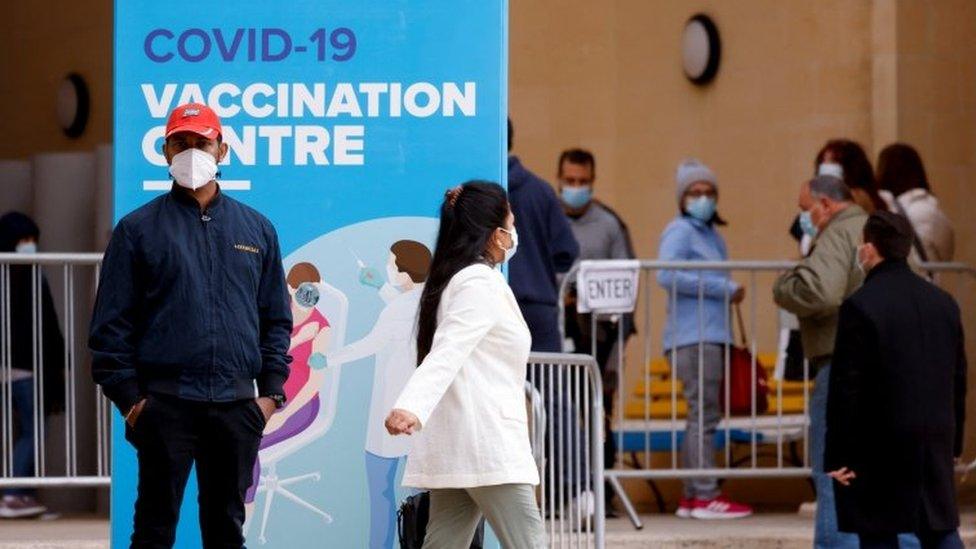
(685, 507)
(719, 508)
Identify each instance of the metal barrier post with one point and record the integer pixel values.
(26, 272)
(571, 492)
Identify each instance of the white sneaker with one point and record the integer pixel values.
(13, 507)
(581, 509)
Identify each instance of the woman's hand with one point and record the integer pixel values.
(401, 422)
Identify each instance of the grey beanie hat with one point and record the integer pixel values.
(689, 172)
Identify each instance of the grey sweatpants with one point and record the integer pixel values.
(702, 394)
(511, 511)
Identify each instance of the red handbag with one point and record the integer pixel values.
(746, 377)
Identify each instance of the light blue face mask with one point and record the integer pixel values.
(27, 248)
(806, 224)
(577, 197)
(701, 208)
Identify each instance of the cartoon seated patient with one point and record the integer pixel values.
(392, 342)
(309, 340)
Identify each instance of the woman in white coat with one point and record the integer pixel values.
(905, 188)
(465, 403)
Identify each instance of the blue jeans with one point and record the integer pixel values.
(931, 540)
(22, 392)
(381, 475)
(825, 535)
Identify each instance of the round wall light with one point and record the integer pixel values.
(701, 49)
(73, 105)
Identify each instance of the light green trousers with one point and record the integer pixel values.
(510, 509)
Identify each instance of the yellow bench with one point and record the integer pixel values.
(661, 388)
(661, 408)
(661, 367)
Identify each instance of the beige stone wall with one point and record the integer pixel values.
(40, 43)
(937, 113)
(610, 79)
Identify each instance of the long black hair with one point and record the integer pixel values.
(469, 216)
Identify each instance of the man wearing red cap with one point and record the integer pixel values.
(189, 338)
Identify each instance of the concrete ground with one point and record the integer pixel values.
(83, 532)
(764, 531)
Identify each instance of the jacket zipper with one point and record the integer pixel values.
(205, 220)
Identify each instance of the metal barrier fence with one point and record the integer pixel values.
(650, 414)
(72, 448)
(44, 310)
(564, 396)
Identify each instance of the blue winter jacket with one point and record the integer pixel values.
(546, 242)
(688, 239)
(191, 304)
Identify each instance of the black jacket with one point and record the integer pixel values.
(191, 304)
(14, 227)
(896, 405)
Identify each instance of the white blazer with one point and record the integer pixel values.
(469, 392)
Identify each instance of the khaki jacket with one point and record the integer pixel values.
(815, 289)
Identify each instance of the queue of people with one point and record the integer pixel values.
(464, 403)
(835, 206)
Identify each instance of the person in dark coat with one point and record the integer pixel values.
(189, 338)
(19, 233)
(546, 247)
(897, 399)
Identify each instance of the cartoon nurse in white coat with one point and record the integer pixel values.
(392, 341)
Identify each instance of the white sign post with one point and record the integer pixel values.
(607, 286)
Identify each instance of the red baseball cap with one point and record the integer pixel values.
(194, 117)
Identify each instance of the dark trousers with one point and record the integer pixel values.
(928, 539)
(172, 434)
(579, 328)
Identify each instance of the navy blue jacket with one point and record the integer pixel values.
(546, 242)
(191, 304)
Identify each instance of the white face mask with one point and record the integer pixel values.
(510, 252)
(861, 265)
(26, 248)
(193, 168)
(831, 168)
(396, 277)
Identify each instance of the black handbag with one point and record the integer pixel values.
(412, 521)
